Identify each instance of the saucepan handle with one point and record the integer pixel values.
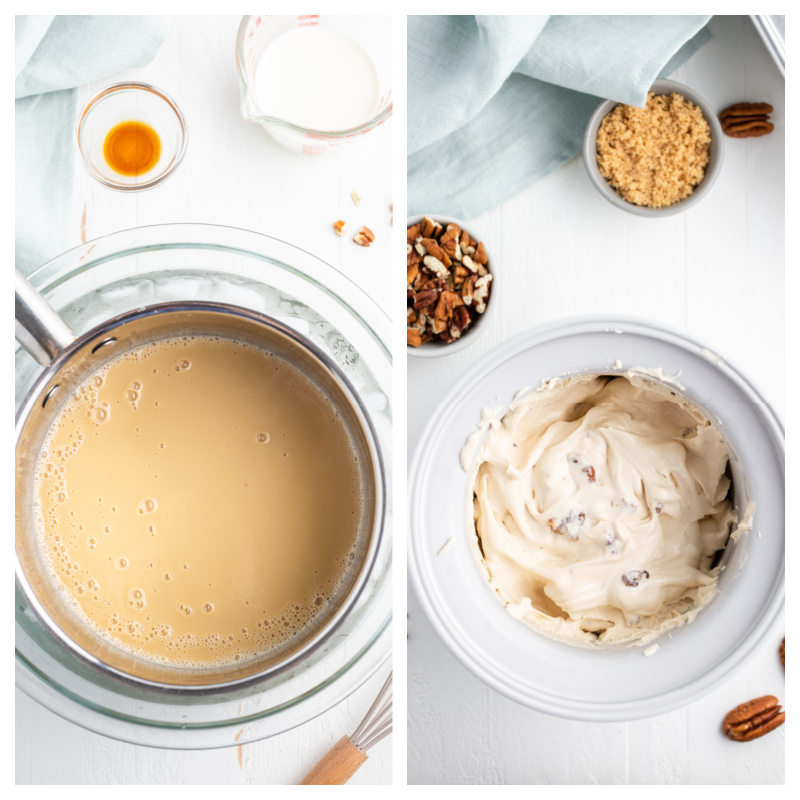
(38, 328)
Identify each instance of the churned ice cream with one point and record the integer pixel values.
(600, 504)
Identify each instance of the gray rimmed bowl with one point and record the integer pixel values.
(480, 325)
(713, 167)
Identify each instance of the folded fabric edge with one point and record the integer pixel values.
(466, 205)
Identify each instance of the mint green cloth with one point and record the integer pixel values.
(53, 55)
(497, 102)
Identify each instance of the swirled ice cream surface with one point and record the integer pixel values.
(600, 503)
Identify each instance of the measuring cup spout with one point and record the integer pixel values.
(38, 328)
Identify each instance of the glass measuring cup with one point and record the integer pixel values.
(371, 33)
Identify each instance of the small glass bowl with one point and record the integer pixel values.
(130, 102)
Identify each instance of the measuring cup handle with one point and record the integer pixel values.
(38, 328)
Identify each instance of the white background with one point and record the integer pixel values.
(233, 174)
(716, 271)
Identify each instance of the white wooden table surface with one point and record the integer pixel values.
(233, 174)
(716, 271)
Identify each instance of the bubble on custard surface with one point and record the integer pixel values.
(130, 395)
(147, 506)
(98, 381)
(184, 363)
(187, 610)
(167, 576)
(136, 386)
(263, 438)
(151, 529)
(121, 563)
(208, 608)
(100, 414)
(91, 542)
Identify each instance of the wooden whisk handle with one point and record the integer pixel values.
(337, 766)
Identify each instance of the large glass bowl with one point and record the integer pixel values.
(142, 266)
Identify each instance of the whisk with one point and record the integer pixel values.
(342, 761)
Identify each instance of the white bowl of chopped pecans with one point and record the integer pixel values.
(450, 284)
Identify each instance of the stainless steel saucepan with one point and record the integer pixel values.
(68, 360)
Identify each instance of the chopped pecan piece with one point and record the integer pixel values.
(426, 301)
(460, 318)
(568, 526)
(430, 228)
(364, 237)
(413, 337)
(633, 577)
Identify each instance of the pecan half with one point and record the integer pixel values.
(753, 719)
(782, 652)
(749, 128)
(739, 110)
(744, 120)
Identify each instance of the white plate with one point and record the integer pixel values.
(576, 682)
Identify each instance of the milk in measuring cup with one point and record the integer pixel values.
(316, 78)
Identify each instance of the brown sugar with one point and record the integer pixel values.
(654, 156)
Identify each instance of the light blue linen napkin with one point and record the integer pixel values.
(53, 55)
(497, 102)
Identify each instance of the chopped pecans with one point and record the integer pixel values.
(364, 237)
(447, 282)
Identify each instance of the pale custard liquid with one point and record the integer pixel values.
(198, 501)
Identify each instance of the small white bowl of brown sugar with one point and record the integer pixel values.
(658, 160)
